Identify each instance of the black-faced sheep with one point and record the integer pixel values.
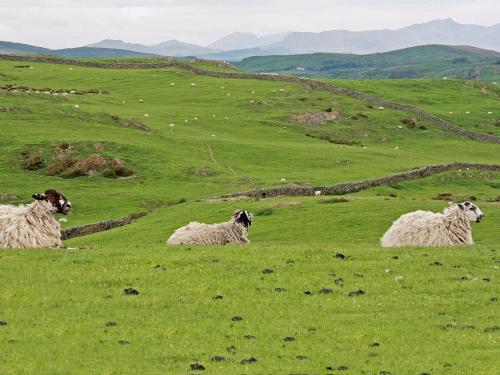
(233, 231)
(424, 228)
(34, 225)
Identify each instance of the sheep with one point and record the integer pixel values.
(234, 231)
(425, 228)
(317, 193)
(33, 226)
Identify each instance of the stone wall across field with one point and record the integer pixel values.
(170, 62)
(102, 226)
(353, 187)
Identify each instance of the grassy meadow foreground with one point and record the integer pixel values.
(312, 294)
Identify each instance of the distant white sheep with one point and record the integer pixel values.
(34, 225)
(317, 193)
(234, 231)
(425, 228)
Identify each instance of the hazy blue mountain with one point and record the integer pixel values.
(435, 32)
(168, 48)
(235, 41)
(176, 48)
(21, 49)
(120, 44)
(94, 52)
(80, 52)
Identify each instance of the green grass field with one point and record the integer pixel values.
(431, 311)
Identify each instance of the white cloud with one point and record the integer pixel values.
(68, 23)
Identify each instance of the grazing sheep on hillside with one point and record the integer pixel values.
(232, 231)
(33, 226)
(424, 228)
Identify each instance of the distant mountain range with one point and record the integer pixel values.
(430, 61)
(79, 52)
(237, 41)
(172, 48)
(237, 46)
(445, 31)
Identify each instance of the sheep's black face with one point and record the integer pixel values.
(59, 202)
(473, 212)
(244, 217)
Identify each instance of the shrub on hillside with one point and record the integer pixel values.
(33, 162)
(67, 163)
(409, 122)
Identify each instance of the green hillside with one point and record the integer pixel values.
(169, 142)
(430, 61)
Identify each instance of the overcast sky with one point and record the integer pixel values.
(70, 23)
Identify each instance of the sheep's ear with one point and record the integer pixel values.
(461, 206)
(38, 197)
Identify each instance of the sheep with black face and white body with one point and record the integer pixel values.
(34, 225)
(234, 231)
(425, 228)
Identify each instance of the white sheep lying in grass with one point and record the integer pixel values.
(425, 228)
(233, 231)
(33, 226)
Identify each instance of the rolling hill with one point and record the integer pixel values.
(79, 52)
(313, 292)
(432, 61)
(22, 49)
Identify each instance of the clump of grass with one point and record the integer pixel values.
(409, 122)
(179, 201)
(267, 211)
(116, 168)
(338, 141)
(334, 200)
(444, 197)
(33, 161)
